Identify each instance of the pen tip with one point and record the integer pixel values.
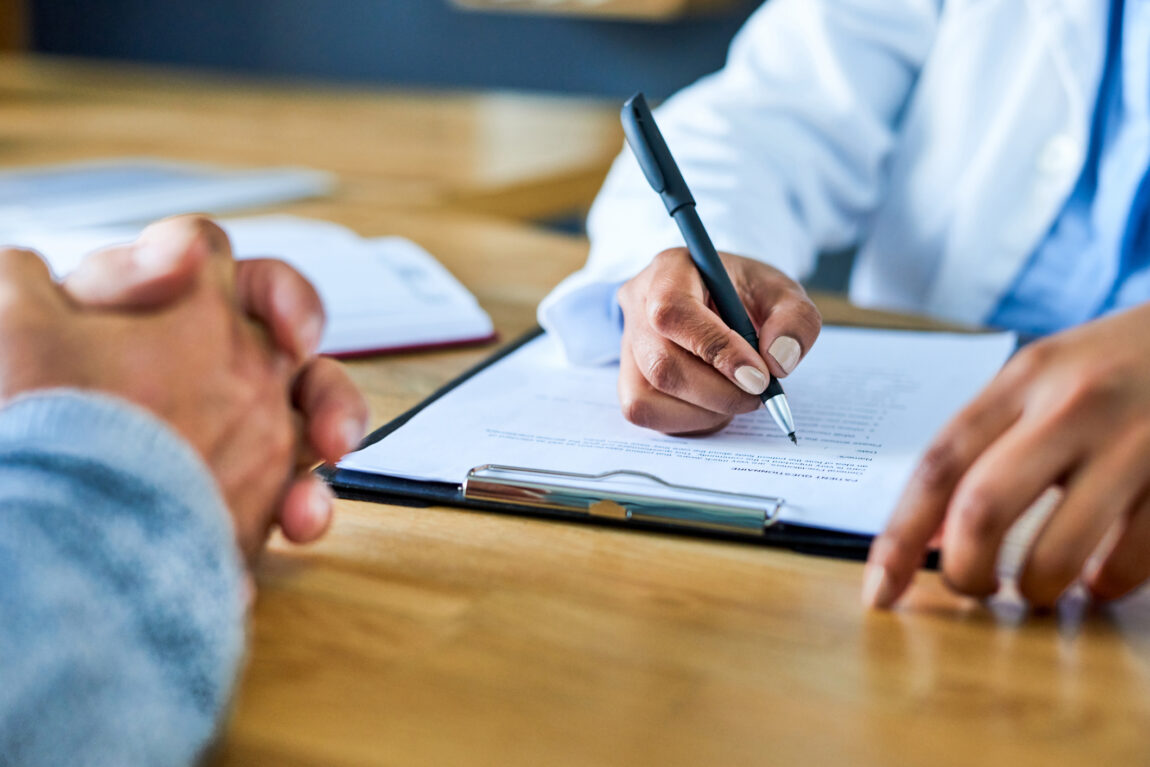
(793, 438)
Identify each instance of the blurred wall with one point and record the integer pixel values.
(410, 42)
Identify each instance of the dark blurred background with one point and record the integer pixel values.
(397, 42)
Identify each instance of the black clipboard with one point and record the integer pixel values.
(379, 488)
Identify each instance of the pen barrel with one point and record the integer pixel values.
(774, 389)
(715, 278)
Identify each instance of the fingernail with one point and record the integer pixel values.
(877, 587)
(751, 380)
(353, 431)
(320, 500)
(310, 335)
(786, 352)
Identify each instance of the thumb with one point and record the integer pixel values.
(790, 330)
(146, 274)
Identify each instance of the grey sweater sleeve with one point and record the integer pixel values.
(121, 607)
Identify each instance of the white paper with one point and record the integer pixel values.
(138, 189)
(379, 294)
(865, 402)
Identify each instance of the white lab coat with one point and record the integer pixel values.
(943, 137)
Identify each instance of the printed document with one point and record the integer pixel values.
(866, 404)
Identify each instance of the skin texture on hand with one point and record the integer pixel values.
(223, 352)
(1070, 411)
(682, 370)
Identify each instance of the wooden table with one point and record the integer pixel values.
(513, 154)
(443, 637)
(440, 636)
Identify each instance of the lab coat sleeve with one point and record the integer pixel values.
(784, 150)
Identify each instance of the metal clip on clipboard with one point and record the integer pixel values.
(625, 496)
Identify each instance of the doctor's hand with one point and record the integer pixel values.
(682, 370)
(164, 266)
(1071, 411)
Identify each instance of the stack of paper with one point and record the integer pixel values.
(385, 294)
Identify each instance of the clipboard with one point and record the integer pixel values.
(614, 499)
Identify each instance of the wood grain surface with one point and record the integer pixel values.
(434, 636)
(431, 636)
(513, 154)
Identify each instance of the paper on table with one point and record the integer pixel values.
(866, 403)
(380, 294)
(130, 190)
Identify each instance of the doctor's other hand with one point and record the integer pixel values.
(1071, 411)
(682, 370)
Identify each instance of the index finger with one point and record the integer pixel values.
(334, 411)
(280, 298)
(898, 552)
(675, 309)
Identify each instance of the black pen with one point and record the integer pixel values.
(663, 174)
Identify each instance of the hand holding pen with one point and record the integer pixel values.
(689, 366)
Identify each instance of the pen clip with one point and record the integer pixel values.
(650, 149)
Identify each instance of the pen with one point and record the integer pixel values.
(663, 174)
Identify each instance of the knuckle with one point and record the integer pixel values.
(637, 409)
(808, 318)
(1087, 390)
(979, 514)
(663, 373)
(204, 228)
(669, 256)
(665, 313)
(716, 350)
(1031, 359)
(941, 466)
(203, 225)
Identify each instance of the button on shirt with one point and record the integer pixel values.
(1096, 257)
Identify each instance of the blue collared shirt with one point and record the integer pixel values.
(1096, 258)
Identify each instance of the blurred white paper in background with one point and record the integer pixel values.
(136, 190)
